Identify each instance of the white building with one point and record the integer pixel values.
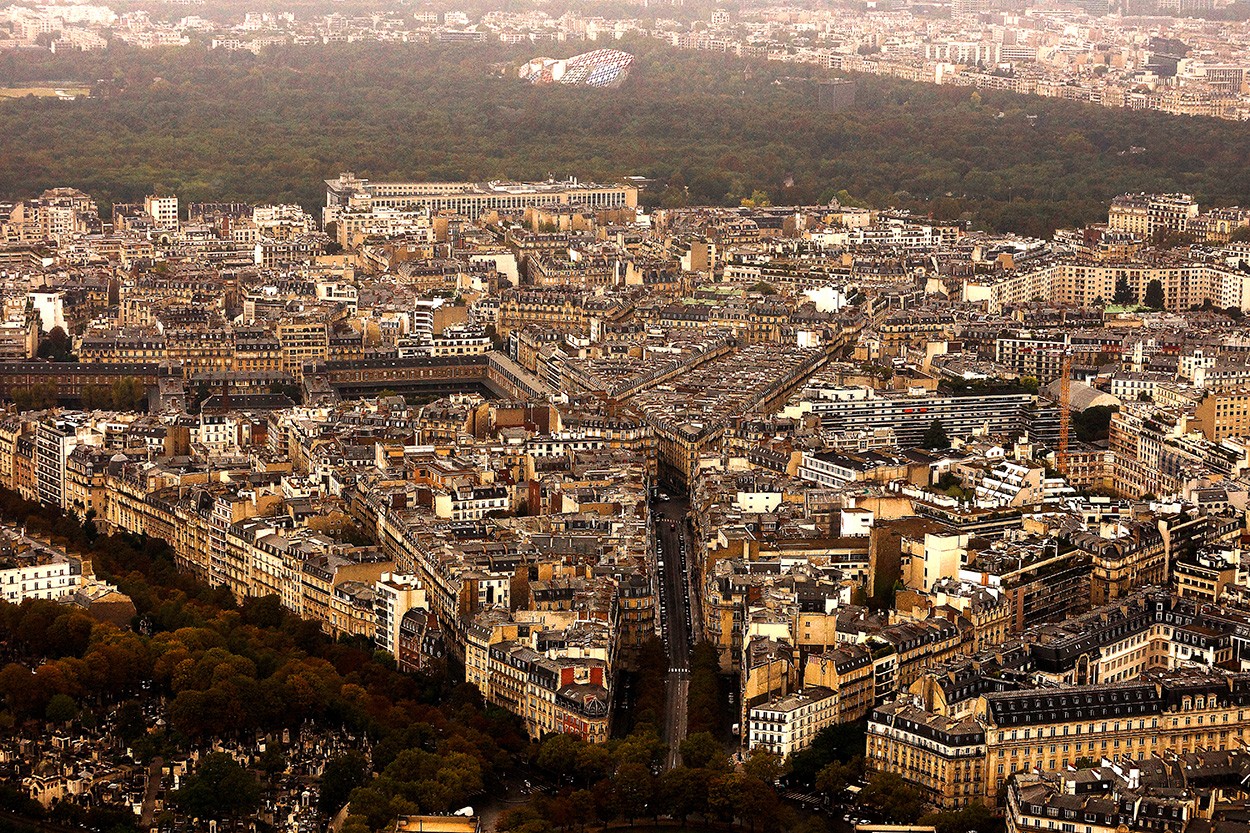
(471, 504)
(789, 724)
(163, 210)
(38, 574)
(55, 440)
(51, 309)
(394, 595)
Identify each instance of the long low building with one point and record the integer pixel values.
(910, 416)
(1184, 285)
(472, 199)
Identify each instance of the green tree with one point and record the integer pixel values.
(835, 777)
(594, 763)
(974, 817)
(754, 801)
(218, 789)
(583, 807)
(1154, 294)
(273, 760)
(1093, 424)
(558, 754)
(935, 436)
(635, 789)
(702, 750)
(642, 747)
(342, 774)
(61, 709)
(841, 742)
(758, 199)
(683, 791)
(129, 722)
(764, 765)
(893, 797)
(1124, 295)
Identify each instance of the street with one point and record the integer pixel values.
(677, 615)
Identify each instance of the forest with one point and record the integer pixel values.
(705, 128)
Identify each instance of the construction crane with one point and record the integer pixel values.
(1065, 409)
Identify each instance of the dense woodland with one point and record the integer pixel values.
(213, 125)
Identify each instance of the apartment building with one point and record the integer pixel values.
(789, 725)
(162, 210)
(1048, 730)
(37, 574)
(909, 416)
(395, 595)
(55, 440)
(1222, 414)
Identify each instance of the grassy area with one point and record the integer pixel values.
(45, 91)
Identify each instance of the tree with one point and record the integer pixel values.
(582, 806)
(558, 754)
(56, 345)
(642, 747)
(682, 791)
(703, 699)
(842, 742)
(893, 797)
(635, 790)
(220, 788)
(974, 817)
(594, 762)
(1124, 295)
(61, 709)
(754, 801)
(273, 760)
(341, 775)
(702, 750)
(835, 777)
(1154, 294)
(764, 765)
(1093, 424)
(758, 199)
(935, 436)
(129, 722)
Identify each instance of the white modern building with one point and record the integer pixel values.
(394, 595)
